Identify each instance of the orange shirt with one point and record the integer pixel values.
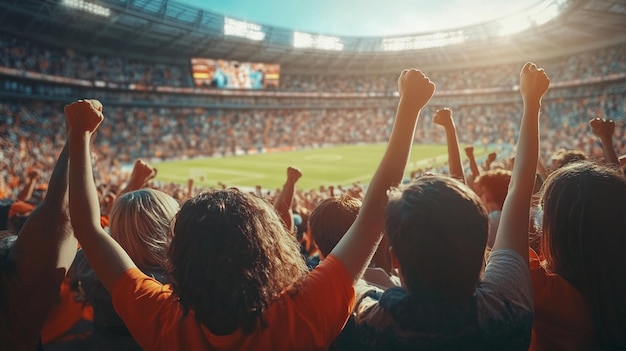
(562, 318)
(20, 207)
(104, 221)
(64, 318)
(309, 319)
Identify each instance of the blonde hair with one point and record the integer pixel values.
(140, 222)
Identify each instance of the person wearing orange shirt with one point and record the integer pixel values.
(580, 285)
(239, 281)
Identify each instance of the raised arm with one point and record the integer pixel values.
(604, 129)
(31, 182)
(469, 152)
(105, 255)
(541, 170)
(359, 244)
(443, 117)
(490, 158)
(514, 221)
(189, 193)
(42, 255)
(283, 201)
(142, 173)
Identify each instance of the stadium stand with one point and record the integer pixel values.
(155, 112)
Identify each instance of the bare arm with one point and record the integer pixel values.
(42, 255)
(541, 170)
(28, 188)
(105, 255)
(469, 152)
(443, 117)
(490, 158)
(514, 221)
(356, 248)
(604, 129)
(142, 173)
(283, 201)
(189, 188)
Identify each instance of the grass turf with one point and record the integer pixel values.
(341, 165)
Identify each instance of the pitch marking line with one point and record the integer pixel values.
(207, 170)
(321, 157)
(410, 165)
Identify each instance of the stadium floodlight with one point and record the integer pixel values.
(537, 15)
(322, 42)
(88, 7)
(546, 15)
(243, 29)
(513, 25)
(423, 41)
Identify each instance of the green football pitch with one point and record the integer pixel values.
(342, 165)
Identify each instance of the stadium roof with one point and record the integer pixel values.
(170, 31)
(366, 18)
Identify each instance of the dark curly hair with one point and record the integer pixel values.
(230, 257)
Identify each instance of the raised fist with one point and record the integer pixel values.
(443, 117)
(469, 151)
(416, 87)
(142, 172)
(602, 128)
(534, 83)
(34, 174)
(490, 158)
(293, 174)
(84, 115)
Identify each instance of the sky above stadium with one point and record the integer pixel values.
(365, 17)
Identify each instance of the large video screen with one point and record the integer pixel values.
(225, 74)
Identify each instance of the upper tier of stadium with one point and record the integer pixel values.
(171, 32)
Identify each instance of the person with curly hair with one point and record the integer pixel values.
(238, 279)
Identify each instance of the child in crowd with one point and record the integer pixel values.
(492, 187)
(331, 219)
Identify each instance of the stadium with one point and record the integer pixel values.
(213, 101)
(319, 82)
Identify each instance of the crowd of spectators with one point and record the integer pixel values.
(31, 130)
(35, 136)
(33, 57)
(42, 58)
(223, 225)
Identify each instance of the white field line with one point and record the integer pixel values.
(324, 157)
(409, 166)
(204, 172)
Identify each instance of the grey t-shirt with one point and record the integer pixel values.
(498, 316)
